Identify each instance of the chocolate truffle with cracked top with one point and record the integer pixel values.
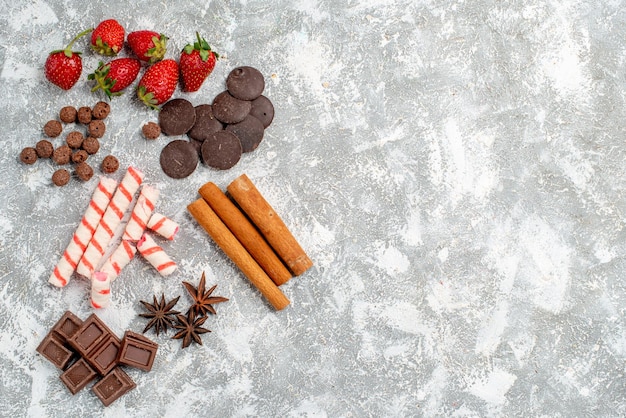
(61, 177)
(44, 148)
(68, 114)
(91, 145)
(151, 130)
(96, 128)
(101, 110)
(79, 156)
(84, 171)
(110, 164)
(84, 115)
(53, 128)
(28, 155)
(74, 139)
(62, 155)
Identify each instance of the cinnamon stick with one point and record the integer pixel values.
(222, 236)
(246, 233)
(270, 224)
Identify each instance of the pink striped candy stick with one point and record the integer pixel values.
(155, 255)
(141, 213)
(100, 290)
(163, 226)
(119, 259)
(110, 221)
(84, 232)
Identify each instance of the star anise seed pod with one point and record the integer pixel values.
(190, 328)
(160, 314)
(203, 300)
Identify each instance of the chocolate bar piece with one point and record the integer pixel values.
(113, 386)
(78, 376)
(103, 358)
(54, 350)
(66, 327)
(90, 334)
(137, 351)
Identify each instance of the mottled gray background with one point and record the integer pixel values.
(455, 169)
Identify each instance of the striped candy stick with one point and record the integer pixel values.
(110, 221)
(100, 290)
(155, 255)
(84, 232)
(163, 226)
(141, 213)
(119, 259)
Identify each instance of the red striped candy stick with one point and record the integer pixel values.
(163, 226)
(155, 255)
(141, 213)
(110, 221)
(100, 290)
(84, 232)
(119, 259)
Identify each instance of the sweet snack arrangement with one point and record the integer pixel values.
(121, 220)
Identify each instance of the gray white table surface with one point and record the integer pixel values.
(455, 169)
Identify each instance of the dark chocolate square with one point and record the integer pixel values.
(54, 350)
(103, 358)
(78, 376)
(113, 386)
(137, 351)
(90, 334)
(66, 327)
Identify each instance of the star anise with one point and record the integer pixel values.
(161, 314)
(203, 300)
(190, 328)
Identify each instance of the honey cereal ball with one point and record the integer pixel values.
(84, 171)
(110, 164)
(44, 148)
(84, 115)
(91, 145)
(53, 128)
(61, 177)
(28, 155)
(101, 110)
(68, 114)
(79, 156)
(62, 155)
(97, 128)
(151, 130)
(74, 139)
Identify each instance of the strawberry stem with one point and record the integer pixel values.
(68, 49)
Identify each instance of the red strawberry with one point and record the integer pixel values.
(115, 76)
(158, 83)
(196, 63)
(148, 45)
(63, 67)
(108, 37)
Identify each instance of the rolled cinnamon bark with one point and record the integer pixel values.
(270, 224)
(220, 233)
(246, 233)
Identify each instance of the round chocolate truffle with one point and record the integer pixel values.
(84, 115)
(206, 123)
(249, 131)
(44, 149)
(84, 171)
(176, 117)
(91, 145)
(110, 164)
(179, 159)
(101, 110)
(229, 109)
(53, 128)
(62, 155)
(28, 155)
(96, 128)
(75, 139)
(151, 130)
(61, 177)
(79, 156)
(245, 83)
(68, 114)
(221, 150)
(263, 109)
